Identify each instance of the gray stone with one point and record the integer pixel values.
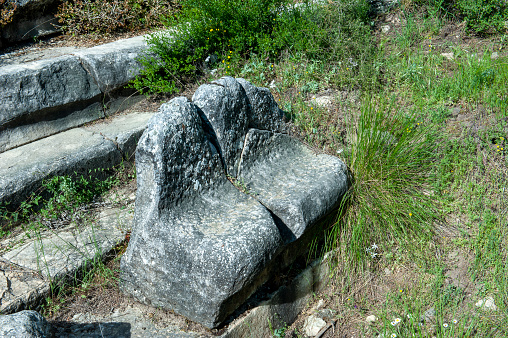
(199, 246)
(296, 184)
(114, 64)
(43, 84)
(224, 103)
(57, 256)
(285, 304)
(41, 126)
(124, 131)
(448, 56)
(264, 112)
(487, 303)
(428, 315)
(48, 96)
(371, 319)
(312, 325)
(30, 92)
(24, 324)
(79, 150)
(232, 106)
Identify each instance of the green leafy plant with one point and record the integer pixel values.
(336, 33)
(482, 16)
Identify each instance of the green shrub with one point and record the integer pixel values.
(482, 16)
(104, 17)
(337, 33)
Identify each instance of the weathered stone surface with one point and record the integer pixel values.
(312, 325)
(199, 245)
(232, 106)
(124, 131)
(47, 96)
(284, 306)
(224, 103)
(43, 125)
(264, 112)
(58, 255)
(30, 92)
(26, 269)
(114, 64)
(24, 324)
(296, 184)
(43, 84)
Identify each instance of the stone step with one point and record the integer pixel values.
(32, 263)
(77, 151)
(47, 96)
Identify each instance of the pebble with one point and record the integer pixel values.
(371, 319)
(487, 303)
(313, 325)
(448, 56)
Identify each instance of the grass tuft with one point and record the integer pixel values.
(390, 204)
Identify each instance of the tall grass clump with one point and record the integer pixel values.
(390, 206)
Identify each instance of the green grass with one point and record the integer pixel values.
(390, 156)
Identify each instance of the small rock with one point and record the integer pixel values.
(455, 111)
(24, 324)
(325, 314)
(487, 303)
(313, 325)
(211, 59)
(371, 319)
(319, 305)
(494, 56)
(387, 272)
(428, 315)
(448, 56)
(323, 101)
(385, 29)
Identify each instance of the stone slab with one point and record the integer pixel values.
(58, 254)
(123, 130)
(47, 96)
(54, 256)
(43, 84)
(23, 169)
(114, 64)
